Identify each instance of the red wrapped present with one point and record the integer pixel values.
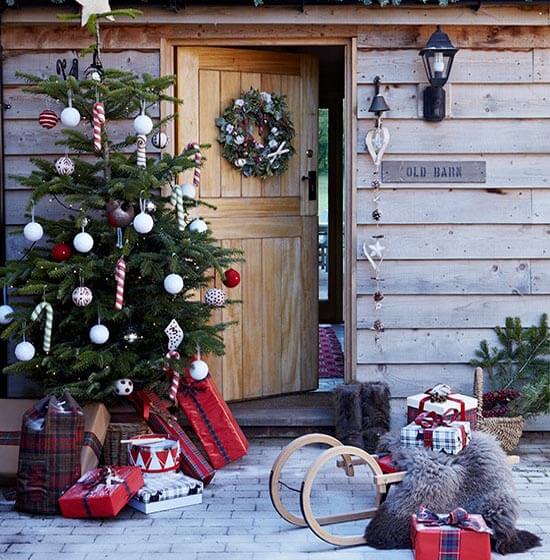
(386, 464)
(426, 402)
(212, 421)
(155, 412)
(101, 492)
(455, 536)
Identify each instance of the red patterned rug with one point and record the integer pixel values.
(331, 357)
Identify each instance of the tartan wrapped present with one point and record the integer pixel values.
(440, 433)
(52, 433)
(212, 421)
(428, 402)
(456, 536)
(155, 412)
(101, 492)
(96, 423)
(11, 415)
(166, 491)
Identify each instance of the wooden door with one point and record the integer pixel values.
(274, 347)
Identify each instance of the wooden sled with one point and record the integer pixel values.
(347, 458)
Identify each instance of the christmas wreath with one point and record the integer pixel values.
(256, 133)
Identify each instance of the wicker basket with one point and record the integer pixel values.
(114, 452)
(506, 429)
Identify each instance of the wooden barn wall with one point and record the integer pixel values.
(460, 258)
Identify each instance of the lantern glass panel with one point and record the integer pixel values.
(438, 64)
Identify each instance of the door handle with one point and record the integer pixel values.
(311, 178)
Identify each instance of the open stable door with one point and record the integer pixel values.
(273, 348)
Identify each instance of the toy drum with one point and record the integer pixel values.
(154, 453)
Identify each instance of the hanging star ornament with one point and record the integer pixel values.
(93, 7)
(376, 249)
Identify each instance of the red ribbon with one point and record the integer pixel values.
(428, 398)
(430, 421)
(192, 388)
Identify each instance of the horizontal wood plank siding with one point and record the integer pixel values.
(460, 258)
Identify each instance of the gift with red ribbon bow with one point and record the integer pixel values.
(101, 492)
(427, 402)
(457, 535)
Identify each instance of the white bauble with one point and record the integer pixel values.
(198, 370)
(5, 310)
(197, 226)
(214, 297)
(143, 124)
(83, 242)
(82, 296)
(70, 116)
(173, 284)
(159, 140)
(124, 387)
(188, 190)
(33, 231)
(143, 223)
(24, 351)
(99, 334)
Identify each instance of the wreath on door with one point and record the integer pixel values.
(256, 134)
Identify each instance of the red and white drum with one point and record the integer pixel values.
(154, 454)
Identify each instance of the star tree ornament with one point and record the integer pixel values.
(94, 7)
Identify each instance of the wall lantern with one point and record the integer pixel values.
(438, 56)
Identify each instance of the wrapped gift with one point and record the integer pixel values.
(428, 402)
(161, 492)
(96, 423)
(154, 453)
(386, 464)
(212, 421)
(101, 492)
(52, 433)
(11, 416)
(456, 536)
(155, 412)
(440, 433)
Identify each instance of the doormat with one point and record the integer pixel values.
(331, 357)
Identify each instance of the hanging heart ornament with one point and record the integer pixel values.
(377, 140)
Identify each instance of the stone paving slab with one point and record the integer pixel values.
(237, 522)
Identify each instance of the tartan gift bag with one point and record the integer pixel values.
(52, 434)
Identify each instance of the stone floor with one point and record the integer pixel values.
(237, 521)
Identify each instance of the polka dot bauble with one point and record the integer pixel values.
(124, 387)
(214, 297)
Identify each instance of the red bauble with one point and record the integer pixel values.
(231, 278)
(61, 252)
(48, 119)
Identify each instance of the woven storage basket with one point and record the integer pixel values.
(507, 429)
(114, 452)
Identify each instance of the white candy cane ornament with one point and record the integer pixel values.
(120, 277)
(177, 200)
(198, 160)
(141, 142)
(45, 306)
(98, 122)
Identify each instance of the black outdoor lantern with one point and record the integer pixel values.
(438, 56)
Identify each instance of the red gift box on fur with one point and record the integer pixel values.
(434, 539)
(101, 492)
(212, 421)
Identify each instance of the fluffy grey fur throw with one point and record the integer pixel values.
(478, 480)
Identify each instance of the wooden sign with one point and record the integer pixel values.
(434, 172)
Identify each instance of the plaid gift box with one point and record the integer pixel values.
(456, 536)
(422, 402)
(167, 491)
(437, 433)
(49, 453)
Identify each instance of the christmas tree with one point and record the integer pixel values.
(97, 293)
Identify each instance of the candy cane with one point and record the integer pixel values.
(141, 142)
(176, 377)
(198, 160)
(44, 305)
(177, 201)
(120, 276)
(98, 122)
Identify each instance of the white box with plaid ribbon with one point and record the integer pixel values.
(166, 491)
(451, 439)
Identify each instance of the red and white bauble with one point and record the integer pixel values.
(48, 118)
(197, 226)
(82, 296)
(231, 278)
(64, 166)
(198, 370)
(157, 454)
(214, 297)
(124, 387)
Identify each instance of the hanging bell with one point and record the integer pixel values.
(378, 105)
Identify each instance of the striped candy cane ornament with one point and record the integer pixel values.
(45, 306)
(141, 142)
(177, 200)
(120, 277)
(176, 377)
(98, 122)
(198, 161)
